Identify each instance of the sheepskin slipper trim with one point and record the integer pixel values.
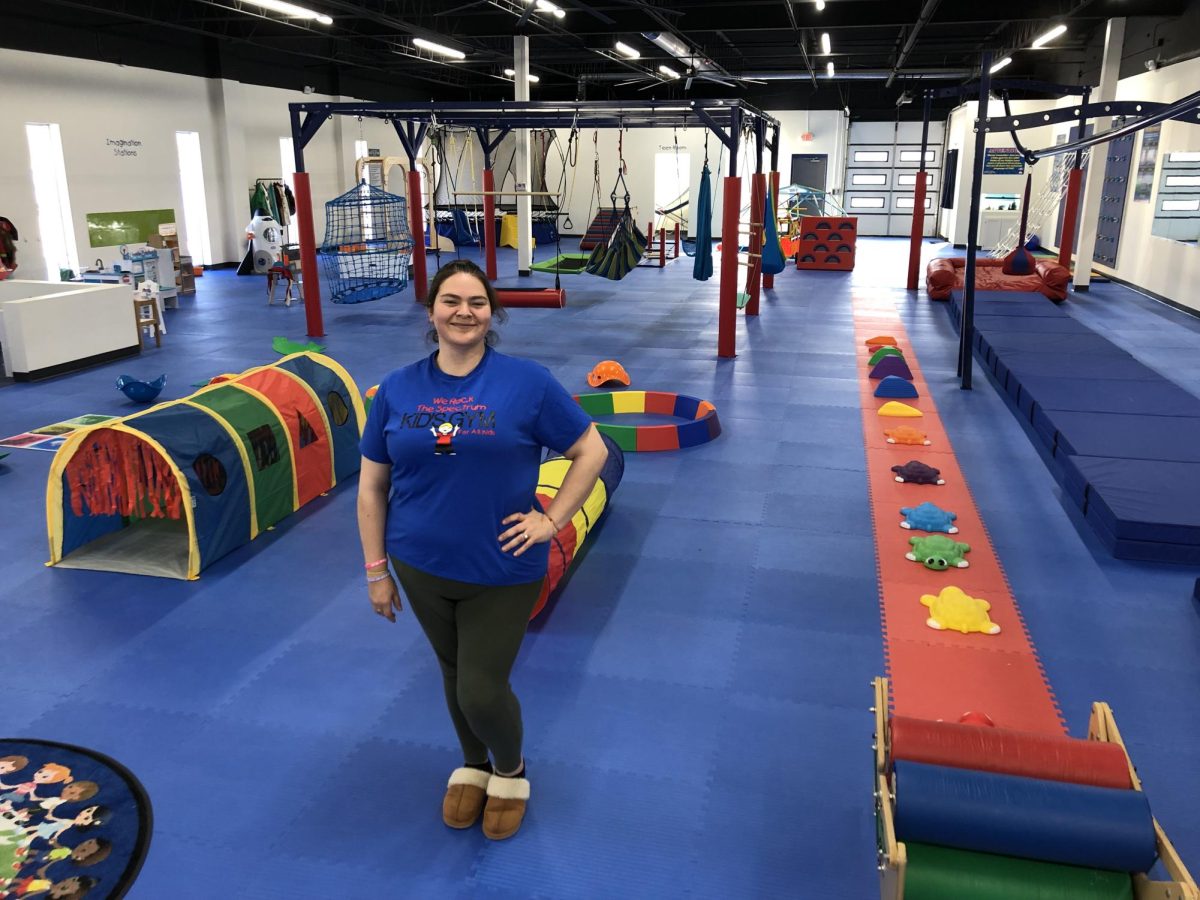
(506, 802)
(465, 797)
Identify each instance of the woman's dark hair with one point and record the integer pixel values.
(465, 267)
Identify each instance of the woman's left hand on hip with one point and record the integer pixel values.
(525, 529)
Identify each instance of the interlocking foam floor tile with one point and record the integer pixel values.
(837, 514)
(829, 452)
(715, 503)
(847, 603)
(311, 676)
(689, 541)
(637, 726)
(570, 840)
(635, 641)
(792, 664)
(701, 590)
(809, 478)
(813, 550)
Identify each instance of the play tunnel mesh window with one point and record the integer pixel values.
(211, 473)
(338, 408)
(266, 450)
(307, 435)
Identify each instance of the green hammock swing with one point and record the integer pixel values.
(617, 255)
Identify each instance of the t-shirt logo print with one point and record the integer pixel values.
(443, 438)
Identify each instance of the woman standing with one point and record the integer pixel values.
(457, 439)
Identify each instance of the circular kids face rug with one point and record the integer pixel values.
(73, 823)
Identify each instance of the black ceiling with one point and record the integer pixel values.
(765, 51)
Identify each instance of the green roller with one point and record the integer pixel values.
(941, 873)
(881, 353)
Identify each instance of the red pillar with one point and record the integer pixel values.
(417, 226)
(769, 280)
(676, 240)
(727, 312)
(489, 223)
(918, 230)
(1067, 247)
(758, 199)
(308, 257)
(662, 248)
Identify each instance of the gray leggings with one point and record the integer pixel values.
(476, 631)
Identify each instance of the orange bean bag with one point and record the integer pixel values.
(945, 274)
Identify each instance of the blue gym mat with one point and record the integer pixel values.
(1125, 440)
(1008, 303)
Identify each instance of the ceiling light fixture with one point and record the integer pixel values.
(548, 7)
(291, 9)
(438, 48)
(1049, 36)
(668, 71)
(820, 5)
(829, 69)
(826, 48)
(512, 74)
(625, 50)
(1000, 64)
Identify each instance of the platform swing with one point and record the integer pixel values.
(565, 263)
(601, 225)
(462, 226)
(625, 244)
(664, 233)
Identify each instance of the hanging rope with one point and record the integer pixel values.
(620, 253)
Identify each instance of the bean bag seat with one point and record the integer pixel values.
(945, 274)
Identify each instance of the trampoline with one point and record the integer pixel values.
(563, 264)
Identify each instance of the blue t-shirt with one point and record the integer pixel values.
(464, 452)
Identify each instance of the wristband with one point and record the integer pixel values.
(376, 564)
(552, 522)
(371, 579)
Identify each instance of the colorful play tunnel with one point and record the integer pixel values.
(170, 490)
(566, 545)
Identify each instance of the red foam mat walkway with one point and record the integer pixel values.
(941, 674)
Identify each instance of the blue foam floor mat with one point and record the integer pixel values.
(695, 701)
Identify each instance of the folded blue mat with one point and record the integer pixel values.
(1150, 397)
(1122, 436)
(990, 324)
(1143, 500)
(1023, 363)
(1059, 344)
(1009, 303)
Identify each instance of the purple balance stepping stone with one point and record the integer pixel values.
(892, 365)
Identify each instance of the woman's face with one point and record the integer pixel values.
(460, 312)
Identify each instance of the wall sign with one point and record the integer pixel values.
(1003, 161)
(123, 146)
(109, 229)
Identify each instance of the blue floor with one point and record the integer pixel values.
(695, 703)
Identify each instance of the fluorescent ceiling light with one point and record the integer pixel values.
(547, 6)
(825, 45)
(820, 5)
(668, 71)
(829, 68)
(999, 65)
(625, 50)
(512, 74)
(1049, 36)
(291, 9)
(438, 48)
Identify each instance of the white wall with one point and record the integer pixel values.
(1153, 263)
(240, 126)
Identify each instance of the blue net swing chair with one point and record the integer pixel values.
(368, 246)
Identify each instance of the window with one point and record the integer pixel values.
(1183, 157)
(875, 156)
(868, 179)
(287, 161)
(195, 202)
(1183, 181)
(211, 473)
(910, 180)
(866, 202)
(53, 203)
(266, 450)
(338, 408)
(1181, 205)
(915, 156)
(307, 435)
(907, 202)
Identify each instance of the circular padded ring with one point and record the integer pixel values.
(702, 425)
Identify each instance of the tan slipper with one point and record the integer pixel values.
(465, 796)
(506, 801)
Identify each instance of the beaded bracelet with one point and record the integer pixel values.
(376, 564)
(371, 579)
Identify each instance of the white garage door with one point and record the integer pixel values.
(882, 162)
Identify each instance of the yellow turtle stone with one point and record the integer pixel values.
(953, 610)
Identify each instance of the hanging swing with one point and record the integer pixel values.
(702, 267)
(773, 260)
(620, 252)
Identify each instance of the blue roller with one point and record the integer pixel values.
(1101, 828)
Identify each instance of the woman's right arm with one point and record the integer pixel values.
(374, 481)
